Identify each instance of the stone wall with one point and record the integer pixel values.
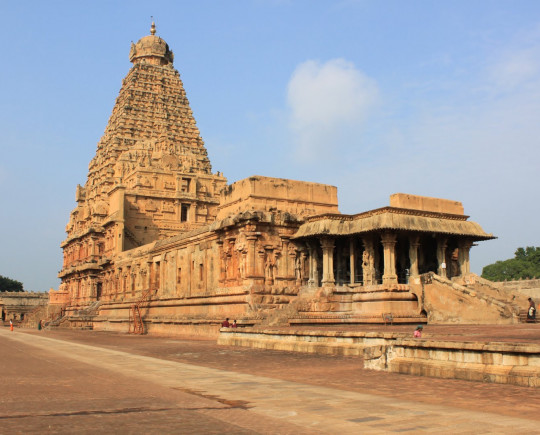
(17, 305)
(527, 288)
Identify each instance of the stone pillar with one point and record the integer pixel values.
(464, 249)
(388, 241)
(352, 261)
(414, 244)
(163, 274)
(441, 256)
(299, 263)
(368, 262)
(251, 260)
(313, 280)
(151, 284)
(222, 266)
(284, 263)
(328, 246)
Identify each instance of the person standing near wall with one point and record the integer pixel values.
(531, 312)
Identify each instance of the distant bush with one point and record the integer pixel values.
(10, 285)
(525, 265)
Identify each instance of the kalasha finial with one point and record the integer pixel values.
(153, 27)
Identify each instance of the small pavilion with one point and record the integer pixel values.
(389, 245)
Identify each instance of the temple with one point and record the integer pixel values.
(160, 243)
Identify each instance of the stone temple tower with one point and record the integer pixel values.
(150, 178)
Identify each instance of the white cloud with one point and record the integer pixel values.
(328, 102)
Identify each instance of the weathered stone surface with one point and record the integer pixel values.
(161, 241)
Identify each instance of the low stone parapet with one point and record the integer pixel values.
(504, 363)
(321, 342)
(493, 362)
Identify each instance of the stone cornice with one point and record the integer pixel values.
(81, 234)
(382, 210)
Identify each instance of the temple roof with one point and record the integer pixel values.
(392, 218)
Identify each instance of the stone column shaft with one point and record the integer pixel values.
(388, 241)
(328, 247)
(441, 256)
(352, 260)
(251, 257)
(414, 244)
(464, 257)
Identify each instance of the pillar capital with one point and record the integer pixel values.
(388, 237)
(327, 242)
(414, 240)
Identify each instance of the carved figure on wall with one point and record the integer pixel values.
(269, 266)
(151, 205)
(167, 207)
(298, 269)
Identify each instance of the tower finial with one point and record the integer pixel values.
(153, 27)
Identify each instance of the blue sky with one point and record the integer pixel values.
(375, 97)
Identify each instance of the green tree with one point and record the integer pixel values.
(525, 264)
(10, 285)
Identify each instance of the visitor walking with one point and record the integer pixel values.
(418, 331)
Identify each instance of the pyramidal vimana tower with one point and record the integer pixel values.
(150, 177)
(160, 243)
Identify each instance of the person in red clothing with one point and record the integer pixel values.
(234, 325)
(225, 323)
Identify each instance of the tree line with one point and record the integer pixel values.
(10, 285)
(524, 265)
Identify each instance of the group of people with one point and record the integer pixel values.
(227, 324)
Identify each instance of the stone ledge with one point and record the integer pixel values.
(502, 374)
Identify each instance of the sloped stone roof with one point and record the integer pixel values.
(391, 218)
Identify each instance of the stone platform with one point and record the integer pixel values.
(488, 353)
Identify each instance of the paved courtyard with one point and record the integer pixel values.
(92, 382)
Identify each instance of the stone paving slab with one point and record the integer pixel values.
(302, 406)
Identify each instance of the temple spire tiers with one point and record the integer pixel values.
(151, 177)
